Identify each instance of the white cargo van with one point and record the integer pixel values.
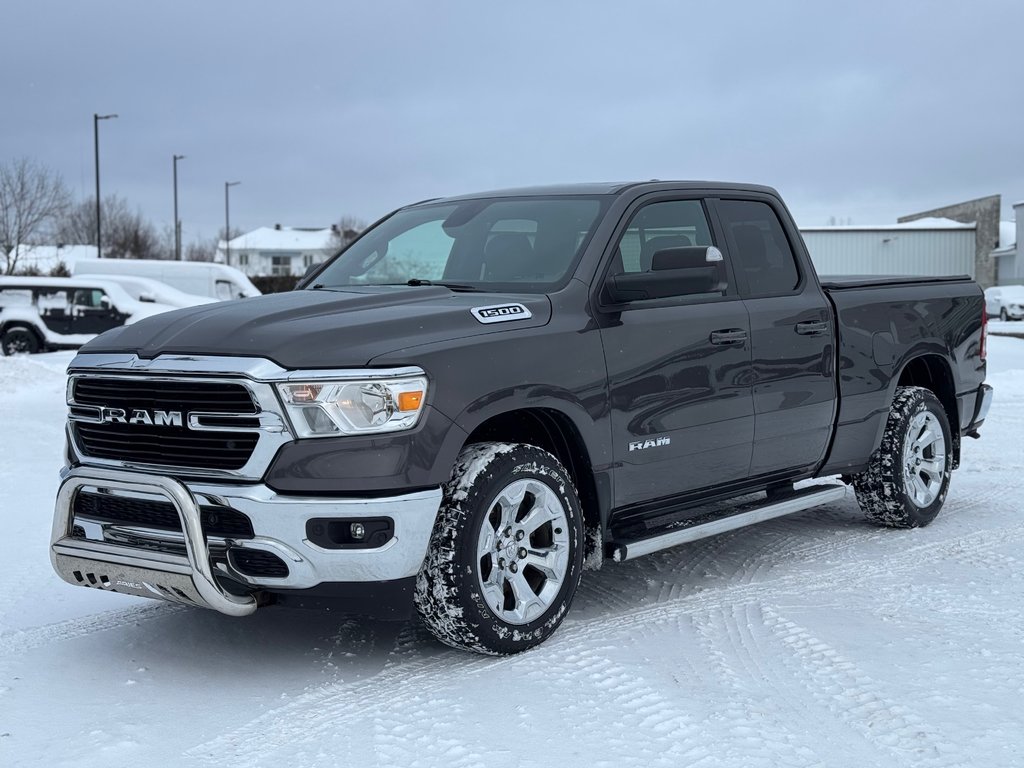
(217, 281)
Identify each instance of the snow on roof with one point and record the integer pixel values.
(928, 223)
(283, 239)
(46, 257)
(1007, 233)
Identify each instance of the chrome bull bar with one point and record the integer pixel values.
(102, 565)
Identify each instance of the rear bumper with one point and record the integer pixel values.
(982, 403)
(192, 567)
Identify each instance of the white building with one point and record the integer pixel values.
(44, 258)
(1009, 253)
(278, 250)
(921, 247)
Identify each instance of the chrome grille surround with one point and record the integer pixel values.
(257, 375)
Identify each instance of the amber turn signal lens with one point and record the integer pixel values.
(409, 401)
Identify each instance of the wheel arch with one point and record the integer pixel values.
(553, 431)
(934, 373)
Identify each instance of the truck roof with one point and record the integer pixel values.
(604, 188)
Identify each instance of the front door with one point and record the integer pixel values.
(679, 368)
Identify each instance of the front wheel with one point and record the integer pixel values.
(907, 478)
(506, 552)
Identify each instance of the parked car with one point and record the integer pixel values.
(146, 289)
(483, 393)
(44, 313)
(218, 281)
(1005, 302)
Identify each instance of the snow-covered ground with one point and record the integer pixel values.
(815, 640)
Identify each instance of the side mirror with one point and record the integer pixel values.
(310, 270)
(105, 302)
(680, 271)
(147, 297)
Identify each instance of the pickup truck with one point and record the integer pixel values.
(484, 396)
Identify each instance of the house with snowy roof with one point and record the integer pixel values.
(278, 250)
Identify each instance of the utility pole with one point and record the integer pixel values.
(177, 222)
(96, 143)
(227, 220)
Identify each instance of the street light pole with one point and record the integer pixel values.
(177, 223)
(96, 143)
(227, 220)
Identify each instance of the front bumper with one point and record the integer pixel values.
(189, 566)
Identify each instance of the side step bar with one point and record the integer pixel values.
(798, 501)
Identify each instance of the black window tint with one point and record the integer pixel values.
(653, 240)
(759, 247)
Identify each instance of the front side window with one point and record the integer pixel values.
(759, 247)
(526, 243)
(669, 241)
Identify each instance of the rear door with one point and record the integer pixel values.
(792, 335)
(678, 368)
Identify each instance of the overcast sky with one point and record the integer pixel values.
(865, 111)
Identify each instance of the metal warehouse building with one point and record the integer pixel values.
(921, 247)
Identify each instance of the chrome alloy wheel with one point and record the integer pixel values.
(924, 459)
(523, 551)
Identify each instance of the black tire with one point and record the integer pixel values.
(20, 340)
(450, 589)
(894, 491)
(1003, 314)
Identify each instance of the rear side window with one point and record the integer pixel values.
(759, 247)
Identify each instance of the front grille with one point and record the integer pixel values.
(174, 446)
(166, 445)
(155, 394)
(258, 562)
(154, 513)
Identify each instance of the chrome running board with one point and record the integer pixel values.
(797, 501)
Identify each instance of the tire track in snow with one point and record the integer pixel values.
(20, 641)
(860, 701)
(322, 711)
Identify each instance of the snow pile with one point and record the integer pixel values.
(806, 641)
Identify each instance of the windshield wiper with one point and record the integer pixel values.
(416, 281)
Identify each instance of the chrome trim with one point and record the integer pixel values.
(984, 403)
(279, 527)
(193, 579)
(808, 497)
(254, 368)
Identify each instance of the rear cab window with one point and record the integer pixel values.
(759, 248)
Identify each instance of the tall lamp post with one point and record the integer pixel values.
(96, 142)
(227, 220)
(177, 223)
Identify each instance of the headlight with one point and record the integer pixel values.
(332, 408)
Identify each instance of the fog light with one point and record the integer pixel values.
(357, 530)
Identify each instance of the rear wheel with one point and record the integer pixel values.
(506, 553)
(20, 340)
(907, 479)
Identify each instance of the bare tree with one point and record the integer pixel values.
(344, 232)
(201, 250)
(126, 234)
(32, 197)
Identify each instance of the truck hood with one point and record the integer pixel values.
(335, 328)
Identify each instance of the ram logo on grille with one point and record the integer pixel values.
(140, 416)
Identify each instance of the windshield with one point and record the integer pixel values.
(523, 244)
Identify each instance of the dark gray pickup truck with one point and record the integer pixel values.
(483, 395)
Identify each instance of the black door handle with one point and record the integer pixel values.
(731, 336)
(812, 328)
